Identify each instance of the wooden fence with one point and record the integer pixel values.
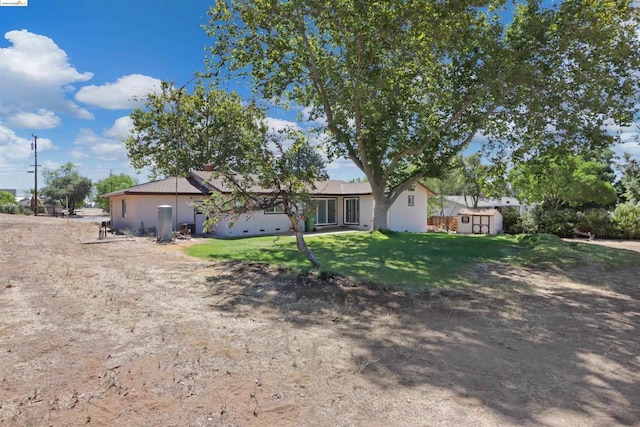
(440, 222)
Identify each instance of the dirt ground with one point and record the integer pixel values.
(131, 332)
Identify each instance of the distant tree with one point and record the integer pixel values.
(560, 181)
(304, 157)
(6, 197)
(66, 186)
(177, 132)
(404, 86)
(630, 181)
(112, 183)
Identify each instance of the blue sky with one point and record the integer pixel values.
(69, 71)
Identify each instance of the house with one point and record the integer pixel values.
(339, 204)
(479, 221)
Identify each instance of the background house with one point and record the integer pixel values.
(339, 204)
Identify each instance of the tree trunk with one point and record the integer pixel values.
(381, 204)
(302, 245)
(381, 215)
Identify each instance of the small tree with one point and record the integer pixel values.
(630, 181)
(66, 186)
(627, 219)
(273, 178)
(112, 183)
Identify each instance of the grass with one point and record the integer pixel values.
(413, 260)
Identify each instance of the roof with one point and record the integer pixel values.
(330, 187)
(484, 202)
(478, 212)
(202, 182)
(163, 186)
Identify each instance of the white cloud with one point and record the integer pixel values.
(276, 125)
(36, 75)
(107, 147)
(42, 119)
(16, 158)
(121, 128)
(126, 93)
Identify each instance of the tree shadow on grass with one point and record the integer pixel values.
(530, 353)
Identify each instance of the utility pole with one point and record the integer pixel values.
(34, 147)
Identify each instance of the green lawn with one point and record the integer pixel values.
(412, 260)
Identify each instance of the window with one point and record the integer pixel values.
(351, 211)
(465, 220)
(412, 200)
(277, 209)
(326, 213)
(124, 208)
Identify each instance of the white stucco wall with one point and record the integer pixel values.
(258, 223)
(403, 217)
(142, 211)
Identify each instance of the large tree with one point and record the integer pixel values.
(67, 186)
(177, 131)
(406, 85)
(109, 184)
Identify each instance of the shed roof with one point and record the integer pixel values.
(478, 212)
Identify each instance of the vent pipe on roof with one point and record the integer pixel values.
(208, 168)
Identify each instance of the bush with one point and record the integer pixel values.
(10, 208)
(6, 198)
(511, 221)
(598, 222)
(627, 218)
(561, 222)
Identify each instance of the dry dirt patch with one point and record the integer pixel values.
(133, 332)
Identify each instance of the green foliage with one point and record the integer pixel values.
(110, 184)
(598, 222)
(66, 186)
(405, 86)
(413, 260)
(177, 131)
(512, 221)
(559, 181)
(561, 222)
(630, 181)
(627, 219)
(9, 208)
(6, 197)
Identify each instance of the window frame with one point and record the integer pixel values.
(326, 201)
(275, 210)
(346, 211)
(411, 200)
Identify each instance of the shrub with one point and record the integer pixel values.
(627, 219)
(10, 208)
(6, 198)
(561, 222)
(511, 221)
(598, 222)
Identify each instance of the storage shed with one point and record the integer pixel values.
(479, 221)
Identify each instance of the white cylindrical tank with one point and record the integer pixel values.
(165, 223)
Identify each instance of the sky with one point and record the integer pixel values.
(69, 71)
